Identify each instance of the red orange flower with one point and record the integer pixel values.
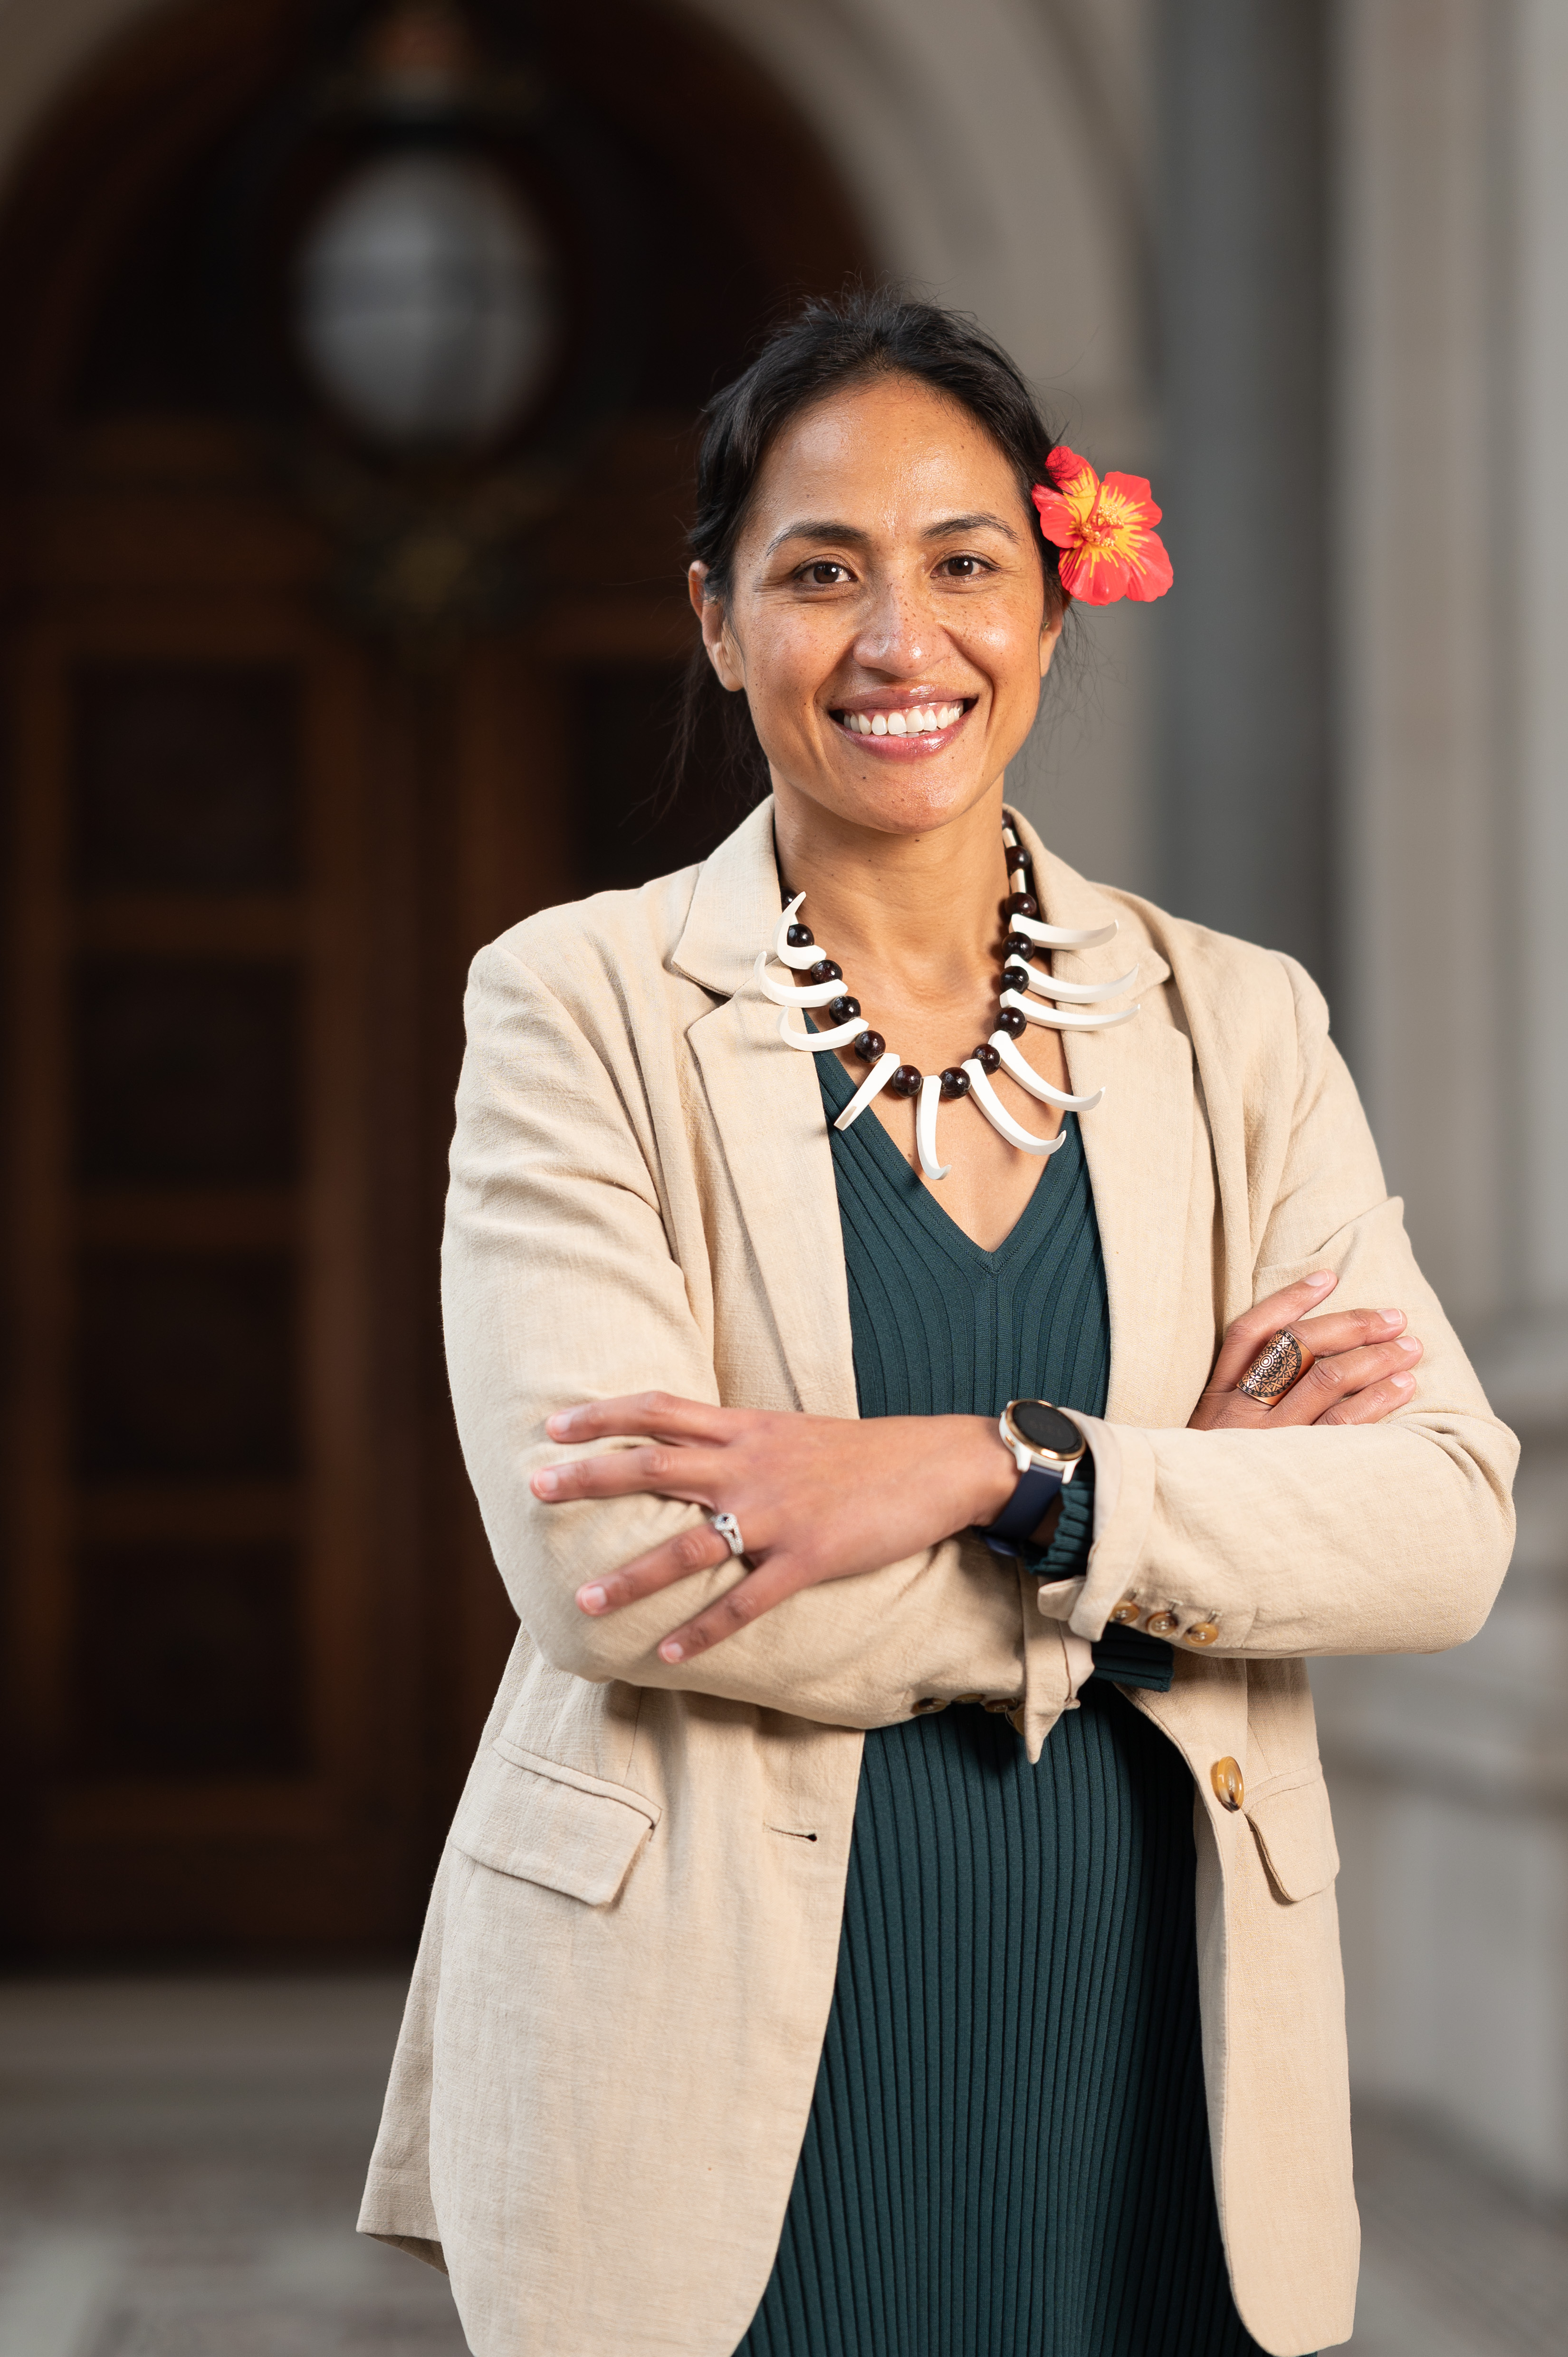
(1104, 530)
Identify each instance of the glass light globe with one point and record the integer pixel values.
(425, 309)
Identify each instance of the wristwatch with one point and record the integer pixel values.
(1048, 1448)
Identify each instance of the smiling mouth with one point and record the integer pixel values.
(919, 720)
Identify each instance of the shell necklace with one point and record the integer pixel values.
(1024, 988)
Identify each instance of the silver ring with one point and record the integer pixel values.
(728, 1530)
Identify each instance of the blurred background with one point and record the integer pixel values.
(349, 359)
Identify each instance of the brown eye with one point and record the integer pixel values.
(965, 568)
(826, 573)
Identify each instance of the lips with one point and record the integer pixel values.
(903, 730)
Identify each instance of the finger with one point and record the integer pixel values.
(1372, 1405)
(662, 1471)
(1348, 1329)
(698, 1548)
(658, 1415)
(746, 1602)
(1246, 1335)
(1330, 1381)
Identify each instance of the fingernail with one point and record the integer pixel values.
(591, 1599)
(1410, 1350)
(670, 1652)
(1402, 1382)
(1392, 1317)
(559, 1424)
(546, 1484)
(1320, 1280)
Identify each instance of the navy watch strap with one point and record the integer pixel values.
(1025, 1510)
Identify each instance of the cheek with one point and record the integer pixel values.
(786, 664)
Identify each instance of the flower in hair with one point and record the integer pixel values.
(1104, 530)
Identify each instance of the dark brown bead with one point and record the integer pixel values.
(906, 1081)
(825, 971)
(1013, 1021)
(1018, 945)
(843, 1010)
(1015, 977)
(800, 937)
(1020, 904)
(955, 1081)
(986, 1057)
(869, 1046)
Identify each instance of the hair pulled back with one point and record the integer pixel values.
(826, 347)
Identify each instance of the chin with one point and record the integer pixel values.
(908, 802)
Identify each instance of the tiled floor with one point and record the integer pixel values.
(180, 2161)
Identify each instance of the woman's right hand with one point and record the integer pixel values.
(1362, 1371)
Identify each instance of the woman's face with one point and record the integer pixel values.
(887, 618)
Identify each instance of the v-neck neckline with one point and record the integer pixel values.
(837, 1090)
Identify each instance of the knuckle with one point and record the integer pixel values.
(655, 1404)
(693, 1550)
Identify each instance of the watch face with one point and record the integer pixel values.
(1047, 1427)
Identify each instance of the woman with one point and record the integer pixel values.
(891, 1908)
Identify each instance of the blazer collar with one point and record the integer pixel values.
(767, 1105)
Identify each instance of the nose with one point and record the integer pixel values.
(895, 635)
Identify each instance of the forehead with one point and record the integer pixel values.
(880, 453)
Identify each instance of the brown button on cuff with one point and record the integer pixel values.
(1127, 1611)
(1202, 1633)
(1163, 1624)
(1226, 1778)
(928, 1702)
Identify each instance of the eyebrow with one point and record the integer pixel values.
(813, 529)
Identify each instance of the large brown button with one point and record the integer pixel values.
(1226, 1778)
(1202, 1633)
(969, 1698)
(1163, 1624)
(1008, 1703)
(928, 1703)
(1127, 1611)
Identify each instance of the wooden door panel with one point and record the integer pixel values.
(192, 1493)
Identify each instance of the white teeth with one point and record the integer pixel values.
(923, 720)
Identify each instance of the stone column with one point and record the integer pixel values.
(1247, 811)
(1450, 1775)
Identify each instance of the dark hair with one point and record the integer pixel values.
(825, 347)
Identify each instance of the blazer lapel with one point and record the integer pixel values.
(1137, 1142)
(767, 1107)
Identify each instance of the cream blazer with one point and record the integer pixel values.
(613, 2033)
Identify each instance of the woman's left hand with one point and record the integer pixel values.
(816, 1497)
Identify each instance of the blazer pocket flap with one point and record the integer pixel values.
(531, 1817)
(1295, 1830)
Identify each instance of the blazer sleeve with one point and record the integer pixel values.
(1385, 1538)
(560, 1282)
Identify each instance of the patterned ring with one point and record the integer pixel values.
(728, 1530)
(1280, 1363)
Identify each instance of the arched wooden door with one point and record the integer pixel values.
(252, 1624)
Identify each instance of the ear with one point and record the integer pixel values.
(1050, 633)
(724, 653)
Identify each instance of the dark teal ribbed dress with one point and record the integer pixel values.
(1007, 2153)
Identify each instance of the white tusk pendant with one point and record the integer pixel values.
(1001, 1120)
(876, 1081)
(815, 1041)
(1065, 1018)
(1081, 993)
(926, 1128)
(1060, 937)
(811, 993)
(1028, 1078)
(799, 959)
